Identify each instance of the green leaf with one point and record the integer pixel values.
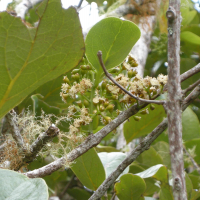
(162, 148)
(114, 37)
(195, 195)
(158, 172)
(149, 158)
(89, 169)
(33, 56)
(189, 186)
(135, 129)
(79, 194)
(195, 180)
(130, 187)
(190, 37)
(190, 125)
(111, 161)
(166, 193)
(16, 186)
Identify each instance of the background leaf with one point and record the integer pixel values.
(89, 169)
(130, 187)
(135, 129)
(32, 56)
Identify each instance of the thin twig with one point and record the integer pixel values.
(192, 160)
(99, 54)
(190, 72)
(80, 3)
(144, 145)
(191, 87)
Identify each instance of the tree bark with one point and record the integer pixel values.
(174, 101)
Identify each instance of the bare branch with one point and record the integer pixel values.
(144, 145)
(99, 54)
(190, 72)
(192, 160)
(191, 87)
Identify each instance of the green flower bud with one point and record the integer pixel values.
(102, 108)
(107, 120)
(75, 71)
(136, 118)
(110, 107)
(76, 76)
(106, 103)
(66, 80)
(144, 112)
(103, 85)
(85, 67)
(86, 103)
(114, 97)
(79, 103)
(152, 107)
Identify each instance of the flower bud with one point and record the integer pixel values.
(152, 107)
(75, 71)
(110, 107)
(86, 103)
(103, 85)
(144, 112)
(76, 76)
(79, 103)
(114, 97)
(102, 108)
(107, 120)
(66, 80)
(136, 118)
(85, 67)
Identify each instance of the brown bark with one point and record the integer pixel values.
(174, 101)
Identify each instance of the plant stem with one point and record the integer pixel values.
(174, 101)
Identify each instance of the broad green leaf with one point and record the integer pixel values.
(89, 169)
(189, 186)
(158, 172)
(195, 180)
(151, 187)
(16, 186)
(162, 149)
(33, 56)
(195, 195)
(190, 37)
(135, 129)
(149, 158)
(111, 161)
(187, 15)
(190, 125)
(79, 194)
(130, 187)
(114, 37)
(166, 193)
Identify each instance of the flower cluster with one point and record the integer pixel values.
(107, 95)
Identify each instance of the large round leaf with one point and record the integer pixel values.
(130, 187)
(114, 37)
(15, 186)
(32, 56)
